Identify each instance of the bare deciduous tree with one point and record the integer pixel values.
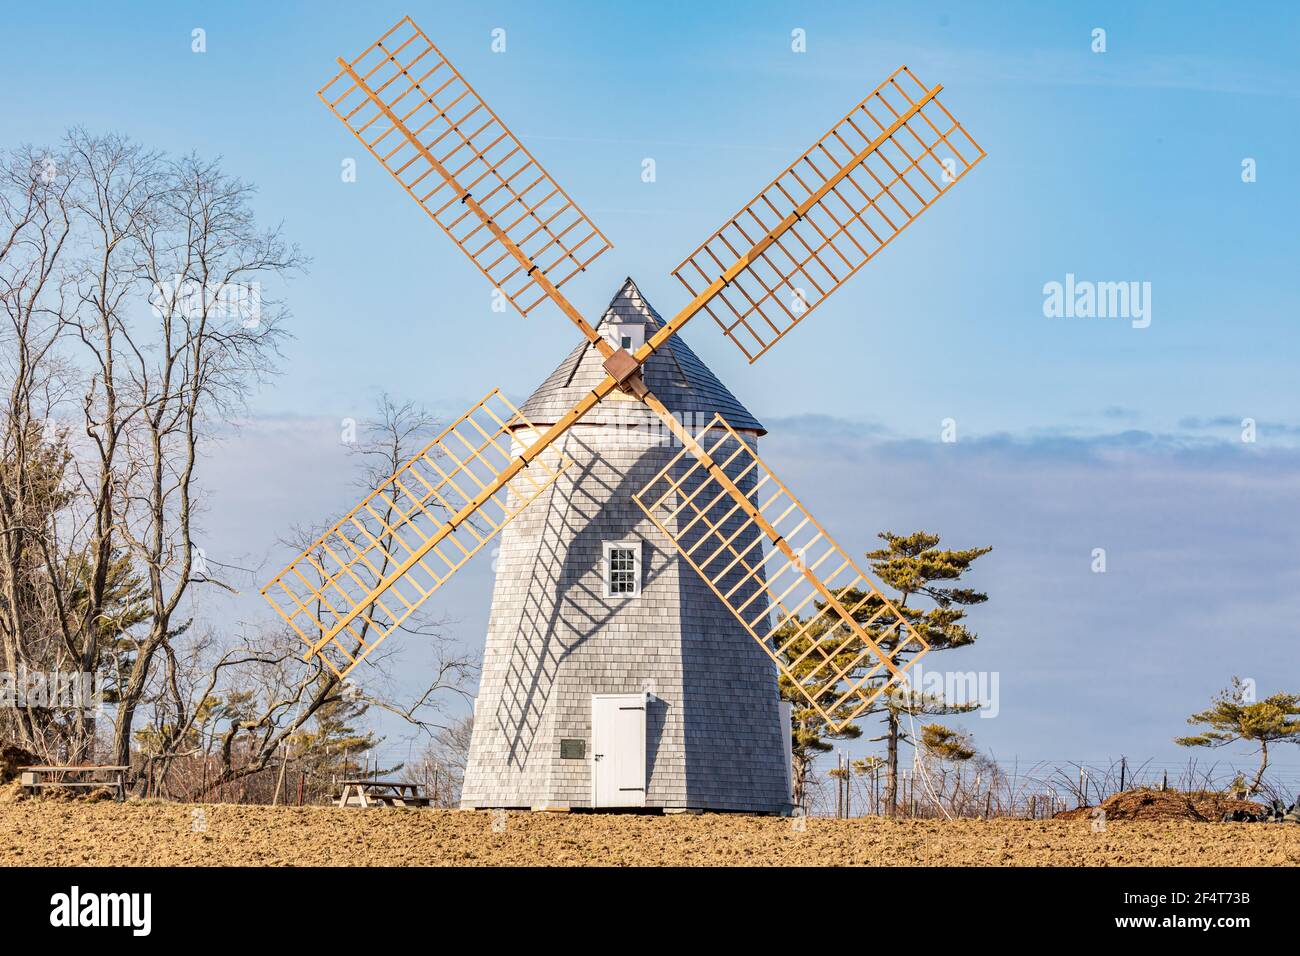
(260, 701)
(213, 337)
(137, 316)
(444, 762)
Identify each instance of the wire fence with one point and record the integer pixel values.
(982, 787)
(293, 780)
(988, 788)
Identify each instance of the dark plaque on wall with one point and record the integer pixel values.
(572, 748)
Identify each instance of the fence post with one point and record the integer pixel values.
(839, 786)
(279, 781)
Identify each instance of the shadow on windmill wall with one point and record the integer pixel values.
(712, 722)
(563, 595)
(735, 738)
(656, 725)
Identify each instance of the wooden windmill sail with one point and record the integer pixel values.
(776, 569)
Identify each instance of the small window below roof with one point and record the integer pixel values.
(627, 335)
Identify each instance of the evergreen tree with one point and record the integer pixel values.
(61, 609)
(915, 567)
(944, 743)
(912, 565)
(335, 744)
(810, 733)
(1232, 716)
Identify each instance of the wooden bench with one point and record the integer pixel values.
(35, 779)
(381, 793)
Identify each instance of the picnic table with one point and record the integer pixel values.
(37, 778)
(381, 793)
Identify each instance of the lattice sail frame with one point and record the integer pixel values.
(767, 589)
(388, 535)
(833, 208)
(465, 153)
(423, 122)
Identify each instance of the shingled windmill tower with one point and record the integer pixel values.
(613, 676)
(643, 540)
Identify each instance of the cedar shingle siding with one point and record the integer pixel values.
(715, 738)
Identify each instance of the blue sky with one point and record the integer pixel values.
(1122, 166)
(1072, 433)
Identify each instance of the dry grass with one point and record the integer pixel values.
(54, 832)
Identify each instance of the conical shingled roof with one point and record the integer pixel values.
(674, 373)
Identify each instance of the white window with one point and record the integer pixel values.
(628, 335)
(622, 568)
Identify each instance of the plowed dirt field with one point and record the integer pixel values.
(62, 833)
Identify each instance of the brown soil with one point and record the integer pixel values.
(1143, 804)
(40, 832)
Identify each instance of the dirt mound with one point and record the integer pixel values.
(13, 791)
(11, 758)
(1199, 806)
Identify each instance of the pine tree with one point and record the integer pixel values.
(334, 746)
(810, 733)
(60, 609)
(944, 743)
(912, 565)
(1233, 716)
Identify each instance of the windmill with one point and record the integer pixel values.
(786, 583)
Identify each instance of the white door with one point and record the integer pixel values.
(618, 750)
